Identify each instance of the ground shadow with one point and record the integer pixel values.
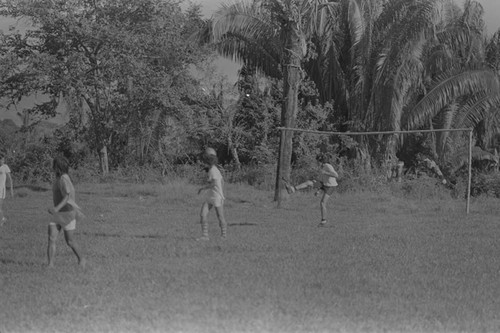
(240, 201)
(34, 188)
(101, 234)
(4, 261)
(241, 224)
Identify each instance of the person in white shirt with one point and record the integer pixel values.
(4, 175)
(214, 197)
(327, 183)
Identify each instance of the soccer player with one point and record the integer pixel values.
(326, 184)
(214, 196)
(65, 212)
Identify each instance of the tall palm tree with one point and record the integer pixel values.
(371, 64)
(386, 61)
(461, 88)
(272, 36)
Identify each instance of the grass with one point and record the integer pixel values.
(387, 262)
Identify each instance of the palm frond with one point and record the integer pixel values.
(476, 109)
(406, 38)
(356, 22)
(319, 17)
(493, 51)
(439, 58)
(245, 19)
(245, 32)
(464, 33)
(445, 121)
(461, 157)
(448, 87)
(264, 55)
(363, 61)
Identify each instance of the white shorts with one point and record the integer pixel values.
(68, 227)
(215, 200)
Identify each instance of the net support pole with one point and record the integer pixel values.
(469, 181)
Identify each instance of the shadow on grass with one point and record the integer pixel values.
(102, 234)
(34, 188)
(4, 261)
(239, 201)
(241, 224)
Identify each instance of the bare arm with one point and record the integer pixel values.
(209, 186)
(330, 172)
(57, 208)
(11, 184)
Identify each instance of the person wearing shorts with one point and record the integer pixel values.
(65, 212)
(214, 197)
(326, 184)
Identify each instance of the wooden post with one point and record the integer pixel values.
(104, 160)
(469, 183)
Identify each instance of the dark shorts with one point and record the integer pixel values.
(320, 186)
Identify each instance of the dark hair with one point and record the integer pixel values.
(212, 159)
(323, 157)
(60, 165)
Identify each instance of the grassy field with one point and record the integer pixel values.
(386, 263)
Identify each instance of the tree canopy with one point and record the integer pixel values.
(124, 71)
(124, 64)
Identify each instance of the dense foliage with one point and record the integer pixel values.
(140, 89)
(120, 68)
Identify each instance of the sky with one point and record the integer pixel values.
(229, 68)
(491, 14)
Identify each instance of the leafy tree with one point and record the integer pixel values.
(258, 115)
(125, 62)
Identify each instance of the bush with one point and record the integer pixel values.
(261, 177)
(88, 171)
(424, 188)
(33, 164)
(485, 184)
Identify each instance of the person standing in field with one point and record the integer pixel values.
(4, 175)
(326, 184)
(214, 196)
(65, 212)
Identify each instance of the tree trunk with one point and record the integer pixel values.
(230, 143)
(236, 158)
(434, 141)
(104, 160)
(97, 126)
(292, 78)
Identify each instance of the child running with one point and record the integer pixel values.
(65, 212)
(327, 184)
(214, 196)
(4, 175)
